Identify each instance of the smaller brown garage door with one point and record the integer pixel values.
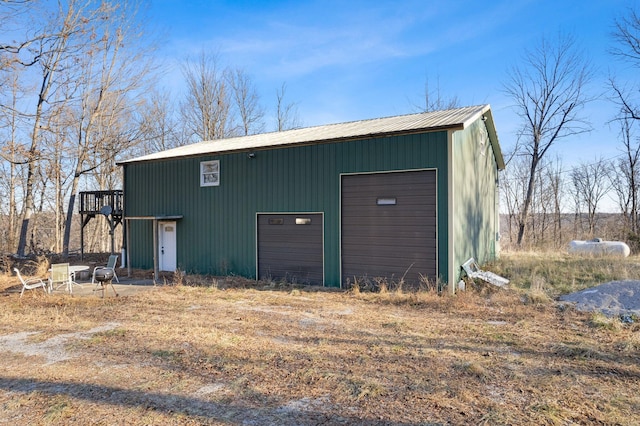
(290, 248)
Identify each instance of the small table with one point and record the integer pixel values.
(76, 268)
(73, 269)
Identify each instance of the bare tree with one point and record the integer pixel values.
(591, 184)
(626, 182)
(159, 127)
(54, 171)
(13, 15)
(544, 223)
(544, 220)
(207, 105)
(286, 113)
(48, 54)
(247, 103)
(112, 69)
(80, 64)
(11, 153)
(626, 37)
(548, 91)
(434, 100)
(556, 186)
(513, 185)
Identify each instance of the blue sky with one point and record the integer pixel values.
(352, 60)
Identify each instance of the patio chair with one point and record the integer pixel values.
(472, 270)
(111, 265)
(60, 277)
(30, 283)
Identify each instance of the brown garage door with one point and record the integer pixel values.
(290, 248)
(389, 226)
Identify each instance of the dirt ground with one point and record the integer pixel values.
(235, 351)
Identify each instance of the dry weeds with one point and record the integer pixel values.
(557, 273)
(261, 354)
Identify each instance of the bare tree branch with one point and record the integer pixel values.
(286, 113)
(247, 103)
(626, 38)
(206, 108)
(548, 92)
(434, 100)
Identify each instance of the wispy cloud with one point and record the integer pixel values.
(307, 39)
(348, 38)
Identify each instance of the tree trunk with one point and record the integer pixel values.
(634, 200)
(68, 220)
(32, 162)
(28, 201)
(527, 200)
(13, 210)
(72, 201)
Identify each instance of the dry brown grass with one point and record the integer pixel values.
(239, 352)
(557, 273)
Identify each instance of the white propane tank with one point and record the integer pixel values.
(599, 247)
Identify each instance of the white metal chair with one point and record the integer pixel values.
(111, 265)
(60, 277)
(30, 283)
(472, 270)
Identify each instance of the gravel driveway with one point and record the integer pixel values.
(612, 299)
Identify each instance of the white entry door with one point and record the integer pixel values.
(167, 246)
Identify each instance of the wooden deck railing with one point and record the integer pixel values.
(91, 202)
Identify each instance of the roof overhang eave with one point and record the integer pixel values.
(431, 129)
(155, 217)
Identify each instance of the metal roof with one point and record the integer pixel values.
(453, 119)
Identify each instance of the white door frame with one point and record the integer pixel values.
(167, 246)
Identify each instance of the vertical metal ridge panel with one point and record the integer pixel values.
(475, 201)
(217, 232)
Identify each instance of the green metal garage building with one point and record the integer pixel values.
(407, 197)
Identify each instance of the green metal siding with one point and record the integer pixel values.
(217, 234)
(475, 177)
(140, 233)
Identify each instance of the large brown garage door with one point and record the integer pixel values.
(290, 248)
(389, 226)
